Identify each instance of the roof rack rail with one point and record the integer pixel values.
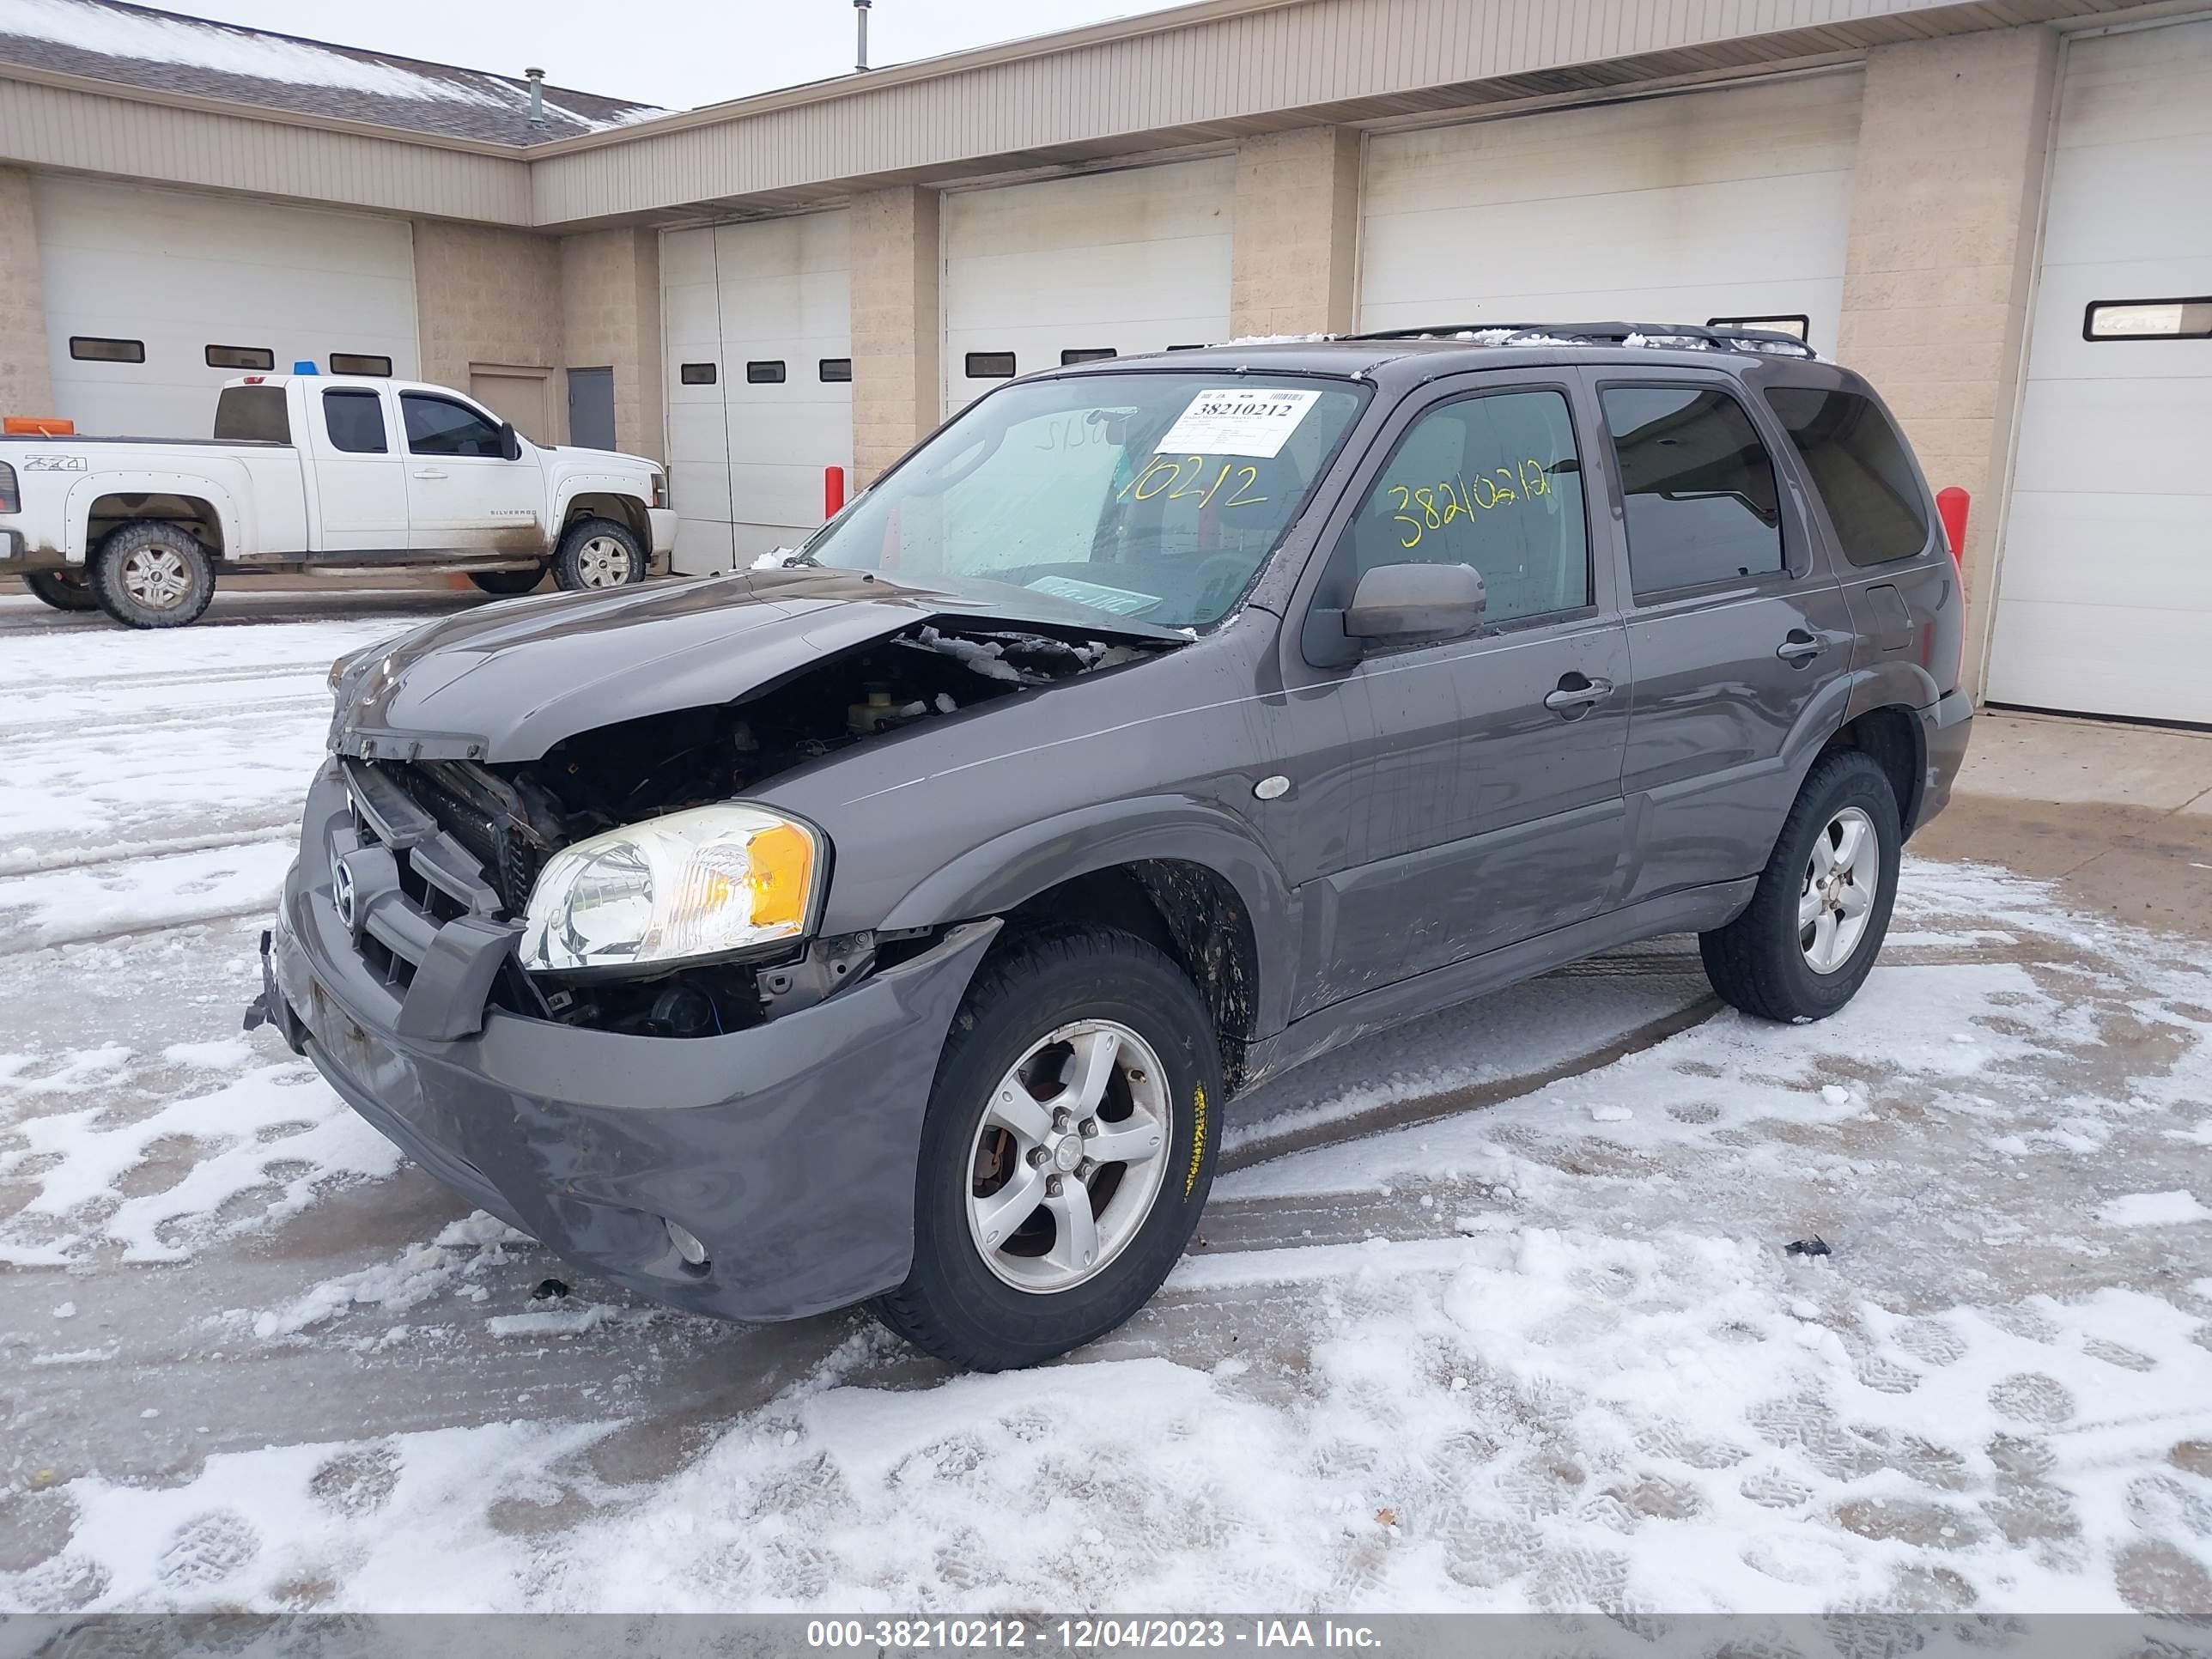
(1694, 336)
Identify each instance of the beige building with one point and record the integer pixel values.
(1999, 211)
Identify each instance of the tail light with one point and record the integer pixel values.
(11, 500)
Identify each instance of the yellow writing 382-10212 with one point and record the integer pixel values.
(1424, 508)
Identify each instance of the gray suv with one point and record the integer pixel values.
(891, 926)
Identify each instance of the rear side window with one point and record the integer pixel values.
(1491, 481)
(355, 420)
(1698, 486)
(438, 426)
(1860, 464)
(252, 415)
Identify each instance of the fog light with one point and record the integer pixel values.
(687, 1245)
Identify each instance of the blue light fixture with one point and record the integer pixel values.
(305, 366)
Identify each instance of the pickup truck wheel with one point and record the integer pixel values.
(64, 590)
(151, 575)
(1808, 939)
(506, 582)
(598, 553)
(1067, 1154)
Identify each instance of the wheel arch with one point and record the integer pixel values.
(1892, 737)
(594, 501)
(198, 506)
(1187, 876)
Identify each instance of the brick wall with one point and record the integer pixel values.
(25, 387)
(1943, 218)
(1297, 233)
(611, 318)
(483, 294)
(897, 389)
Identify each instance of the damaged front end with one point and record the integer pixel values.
(646, 888)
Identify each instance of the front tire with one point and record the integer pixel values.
(64, 590)
(598, 553)
(1068, 1151)
(1808, 939)
(151, 575)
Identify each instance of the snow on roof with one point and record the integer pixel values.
(136, 45)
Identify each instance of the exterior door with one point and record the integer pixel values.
(1735, 625)
(1491, 809)
(360, 478)
(592, 408)
(463, 492)
(522, 397)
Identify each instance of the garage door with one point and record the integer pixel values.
(1106, 263)
(1734, 203)
(154, 298)
(758, 325)
(2105, 583)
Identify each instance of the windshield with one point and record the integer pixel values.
(1156, 496)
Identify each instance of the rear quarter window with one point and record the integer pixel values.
(252, 415)
(1859, 464)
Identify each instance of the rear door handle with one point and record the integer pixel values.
(1577, 692)
(1798, 646)
(429, 472)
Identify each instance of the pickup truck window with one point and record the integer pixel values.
(1492, 481)
(1140, 494)
(252, 415)
(355, 420)
(1700, 488)
(438, 426)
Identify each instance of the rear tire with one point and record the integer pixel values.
(1806, 943)
(151, 575)
(507, 583)
(996, 1285)
(596, 554)
(64, 590)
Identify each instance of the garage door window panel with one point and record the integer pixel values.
(1703, 505)
(2147, 319)
(438, 426)
(95, 349)
(1493, 482)
(1863, 471)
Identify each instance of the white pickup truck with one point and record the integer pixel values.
(320, 472)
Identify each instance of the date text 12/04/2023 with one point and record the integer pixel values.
(1087, 1634)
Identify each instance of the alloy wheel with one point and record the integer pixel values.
(1069, 1158)
(156, 577)
(603, 561)
(1842, 877)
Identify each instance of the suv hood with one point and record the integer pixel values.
(508, 682)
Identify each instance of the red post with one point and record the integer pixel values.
(833, 491)
(1952, 504)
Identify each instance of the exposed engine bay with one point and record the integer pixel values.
(515, 816)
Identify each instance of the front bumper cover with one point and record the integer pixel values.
(789, 1149)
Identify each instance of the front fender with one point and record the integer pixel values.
(232, 508)
(1016, 866)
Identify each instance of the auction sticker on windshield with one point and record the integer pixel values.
(1246, 420)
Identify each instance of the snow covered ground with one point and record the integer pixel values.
(1531, 1338)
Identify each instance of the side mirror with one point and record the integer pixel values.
(510, 442)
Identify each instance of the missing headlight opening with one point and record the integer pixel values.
(516, 817)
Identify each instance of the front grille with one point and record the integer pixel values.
(463, 798)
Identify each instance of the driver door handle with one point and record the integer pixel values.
(1798, 646)
(1577, 692)
(429, 472)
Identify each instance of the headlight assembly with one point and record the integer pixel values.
(713, 881)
